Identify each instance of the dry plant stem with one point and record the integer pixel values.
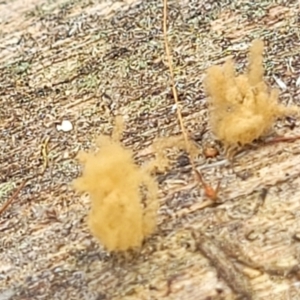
(168, 52)
(279, 139)
(209, 191)
(6, 205)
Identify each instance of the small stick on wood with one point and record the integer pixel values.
(5, 206)
(210, 192)
(236, 280)
(279, 139)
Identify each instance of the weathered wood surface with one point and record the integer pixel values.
(86, 61)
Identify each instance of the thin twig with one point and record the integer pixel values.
(279, 139)
(209, 191)
(5, 206)
(174, 90)
(226, 269)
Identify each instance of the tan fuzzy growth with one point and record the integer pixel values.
(123, 196)
(242, 108)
